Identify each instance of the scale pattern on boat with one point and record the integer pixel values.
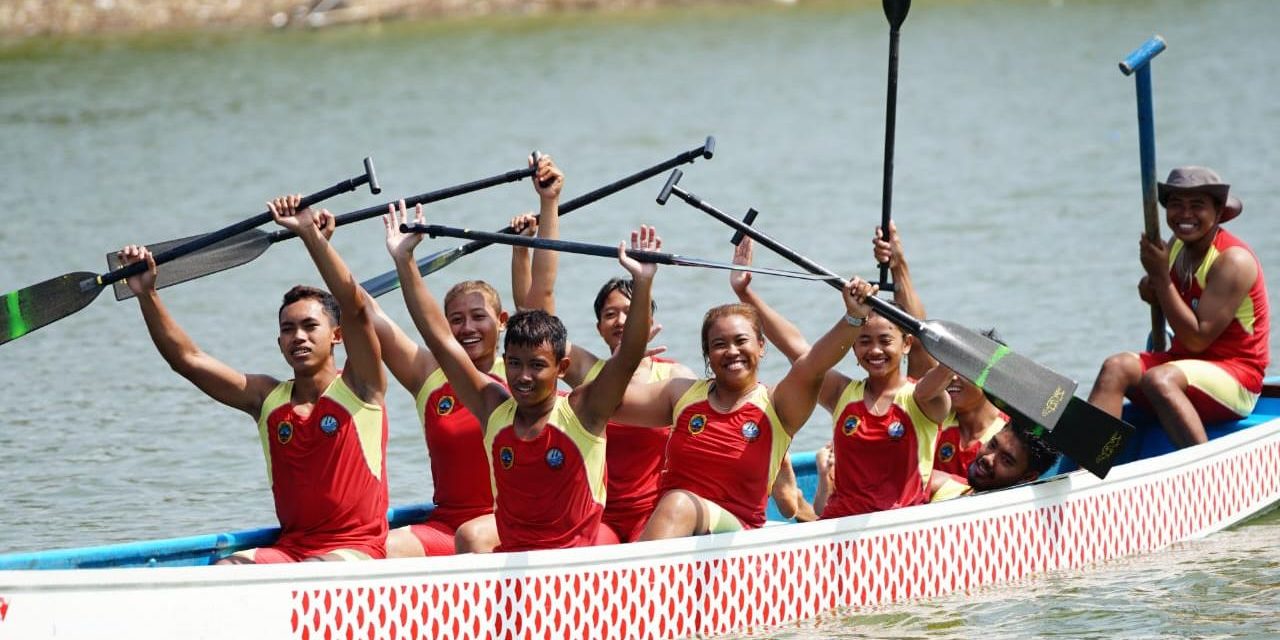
(737, 594)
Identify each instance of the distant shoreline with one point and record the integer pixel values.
(26, 19)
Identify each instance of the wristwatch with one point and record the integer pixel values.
(854, 321)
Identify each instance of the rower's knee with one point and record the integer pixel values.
(1119, 372)
(478, 535)
(1163, 383)
(401, 543)
(676, 515)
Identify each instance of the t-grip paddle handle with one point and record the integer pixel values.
(665, 193)
(350, 184)
(1142, 55)
(747, 220)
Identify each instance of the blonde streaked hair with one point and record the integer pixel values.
(481, 287)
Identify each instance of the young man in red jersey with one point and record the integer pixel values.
(546, 449)
(1210, 286)
(324, 431)
(1012, 456)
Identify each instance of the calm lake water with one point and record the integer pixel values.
(1017, 194)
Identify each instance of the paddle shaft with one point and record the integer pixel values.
(890, 125)
(430, 264)
(583, 248)
(215, 237)
(897, 316)
(1138, 65)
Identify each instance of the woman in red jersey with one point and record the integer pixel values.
(462, 520)
(885, 425)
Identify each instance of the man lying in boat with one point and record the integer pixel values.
(324, 431)
(546, 449)
(462, 518)
(885, 426)
(1210, 287)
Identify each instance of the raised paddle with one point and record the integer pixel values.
(1138, 64)
(602, 250)
(896, 12)
(33, 307)
(1015, 383)
(247, 246)
(388, 281)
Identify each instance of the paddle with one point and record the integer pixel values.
(388, 281)
(896, 12)
(1138, 63)
(247, 246)
(604, 251)
(33, 307)
(1015, 383)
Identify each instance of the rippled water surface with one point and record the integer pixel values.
(1016, 193)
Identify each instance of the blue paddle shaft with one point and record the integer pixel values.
(1138, 65)
(1142, 55)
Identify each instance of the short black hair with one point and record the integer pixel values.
(326, 300)
(534, 327)
(1042, 454)
(626, 287)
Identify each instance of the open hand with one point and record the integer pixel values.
(742, 255)
(643, 239)
(400, 244)
(145, 281)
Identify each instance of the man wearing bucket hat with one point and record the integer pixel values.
(1210, 286)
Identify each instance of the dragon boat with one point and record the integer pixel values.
(709, 585)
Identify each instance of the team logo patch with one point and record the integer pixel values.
(444, 406)
(507, 457)
(946, 452)
(850, 425)
(329, 424)
(697, 423)
(555, 458)
(284, 432)
(751, 431)
(896, 430)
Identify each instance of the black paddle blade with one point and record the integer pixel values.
(28, 309)
(896, 12)
(232, 252)
(1090, 436)
(1011, 380)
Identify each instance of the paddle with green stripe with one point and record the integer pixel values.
(388, 281)
(246, 247)
(41, 304)
(1018, 385)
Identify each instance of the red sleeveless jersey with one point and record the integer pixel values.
(327, 471)
(455, 445)
(551, 489)
(634, 459)
(730, 459)
(882, 462)
(1243, 348)
(951, 456)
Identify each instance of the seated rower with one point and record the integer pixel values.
(1210, 286)
(886, 427)
(324, 432)
(973, 420)
(462, 518)
(1014, 455)
(546, 450)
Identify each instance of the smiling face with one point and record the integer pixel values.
(475, 324)
(965, 396)
(307, 336)
(613, 318)
(880, 347)
(732, 346)
(1003, 462)
(533, 372)
(1191, 215)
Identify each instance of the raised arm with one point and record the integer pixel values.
(547, 181)
(363, 369)
(478, 392)
(210, 375)
(797, 393)
(596, 401)
(919, 362)
(777, 329)
(931, 394)
(525, 224)
(409, 362)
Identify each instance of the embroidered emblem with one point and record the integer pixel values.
(751, 431)
(329, 424)
(284, 432)
(444, 406)
(555, 458)
(850, 425)
(507, 457)
(946, 452)
(896, 430)
(697, 423)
